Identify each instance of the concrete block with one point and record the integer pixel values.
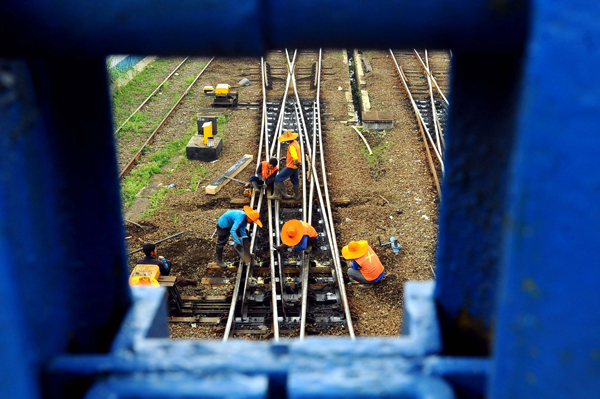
(197, 150)
(365, 104)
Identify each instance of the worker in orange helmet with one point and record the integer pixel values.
(299, 235)
(265, 174)
(234, 222)
(366, 268)
(293, 161)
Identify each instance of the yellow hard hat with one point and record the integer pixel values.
(355, 249)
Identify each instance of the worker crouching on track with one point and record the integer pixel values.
(299, 235)
(293, 160)
(266, 173)
(163, 265)
(366, 268)
(234, 222)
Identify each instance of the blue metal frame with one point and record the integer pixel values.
(512, 313)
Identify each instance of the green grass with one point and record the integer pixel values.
(155, 201)
(136, 180)
(133, 93)
(379, 150)
(135, 124)
(141, 175)
(221, 121)
(199, 173)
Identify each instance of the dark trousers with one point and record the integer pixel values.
(356, 275)
(222, 236)
(269, 181)
(292, 173)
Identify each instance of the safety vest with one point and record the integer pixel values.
(289, 160)
(309, 230)
(370, 265)
(266, 172)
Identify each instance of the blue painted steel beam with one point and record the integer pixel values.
(250, 27)
(317, 367)
(480, 137)
(547, 341)
(65, 286)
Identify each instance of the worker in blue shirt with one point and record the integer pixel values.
(233, 222)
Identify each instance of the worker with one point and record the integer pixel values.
(366, 268)
(164, 265)
(233, 222)
(293, 160)
(299, 235)
(265, 173)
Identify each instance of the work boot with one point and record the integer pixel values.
(220, 257)
(255, 185)
(281, 248)
(284, 193)
(297, 194)
(278, 191)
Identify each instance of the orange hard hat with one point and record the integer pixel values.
(287, 136)
(292, 232)
(254, 215)
(355, 249)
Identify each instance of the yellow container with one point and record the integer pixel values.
(151, 271)
(207, 131)
(222, 89)
(208, 88)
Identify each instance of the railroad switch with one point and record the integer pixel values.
(223, 97)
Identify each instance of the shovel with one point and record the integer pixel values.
(243, 249)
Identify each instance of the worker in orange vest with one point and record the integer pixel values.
(266, 173)
(299, 235)
(293, 160)
(366, 268)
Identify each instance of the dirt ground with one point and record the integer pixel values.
(391, 195)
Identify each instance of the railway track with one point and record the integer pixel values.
(426, 83)
(292, 293)
(150, 138)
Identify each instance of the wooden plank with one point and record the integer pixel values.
(174, 319)
(236, 168)
(192, 298)
(209, 320)
(167, 279)
(216, 281)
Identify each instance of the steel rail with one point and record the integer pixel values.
(231, 318)
(428, 71)
(281, 113)
(437, 120)
(417, 112)
(278, 143)
(331, 237)
(303, 135)
(336, 256)
(151, 95)
(436, 124)
(420, 123)
(255, 227)
(300, 126)
(131, 163)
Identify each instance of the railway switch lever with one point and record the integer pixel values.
(396, 246)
